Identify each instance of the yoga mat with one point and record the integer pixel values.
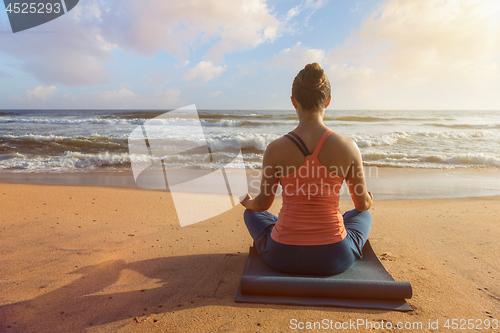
(365, 285)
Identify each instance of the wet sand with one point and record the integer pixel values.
(386, 182)
(107, 259)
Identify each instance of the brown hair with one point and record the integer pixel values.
(311, 87)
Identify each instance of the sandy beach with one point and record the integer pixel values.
(106, 259)
(127, 129)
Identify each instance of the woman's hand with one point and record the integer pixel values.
(246, 200)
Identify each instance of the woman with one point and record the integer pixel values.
(310, 236)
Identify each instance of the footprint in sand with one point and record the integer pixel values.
(387, 256)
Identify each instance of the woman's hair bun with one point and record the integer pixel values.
(313, 76)
(311, 87)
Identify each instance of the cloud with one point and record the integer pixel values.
(406, 52)
(315, 4)
(296, 57)
(309, 5)
(458, 40)
(82, 42)
(205, 69)
(90, 10)
(294, 11)
(122, 98)
(214, 94)
(37, 97)
(40, 93)
(65, 51)
(5, 75)
(182, 64)
(148, 27)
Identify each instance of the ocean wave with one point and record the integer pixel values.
(284, 116)
(8, 113)
(134, 115)
(66, 162)
(432, 160)
(79, 161)
(389, 139)
(466, 126)
(71, 121)
(385, 119)
(144, 115)
(251, 141)
(76, 161)
(53, 137)
(220, 123)
(379, 140)
(36, 152)
(290, 116)
(212, 122)
(50, 144)
(257, 142)
(223, 115)
(454, 134)
(204, 115)
(117, 121)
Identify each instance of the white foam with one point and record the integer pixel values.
(121, 121)
(67, 162)
(56, 138)
(389, 139)
(70, 121)
(432, 160)
(248, 140)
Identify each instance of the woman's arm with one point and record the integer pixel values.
(355, 180)
(268, 184)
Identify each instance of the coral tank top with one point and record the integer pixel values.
(310, 214)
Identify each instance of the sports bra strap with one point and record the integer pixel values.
(303, 147)
(301, 142)
(321, 142)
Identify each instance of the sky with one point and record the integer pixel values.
(244, 54)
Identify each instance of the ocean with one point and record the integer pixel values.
(62, 141)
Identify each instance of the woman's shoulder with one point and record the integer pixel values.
(278, 144)
(341, 142)
(341, 139)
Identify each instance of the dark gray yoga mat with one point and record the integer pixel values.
(365, 285)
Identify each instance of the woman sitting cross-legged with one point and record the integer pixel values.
(310, 236)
